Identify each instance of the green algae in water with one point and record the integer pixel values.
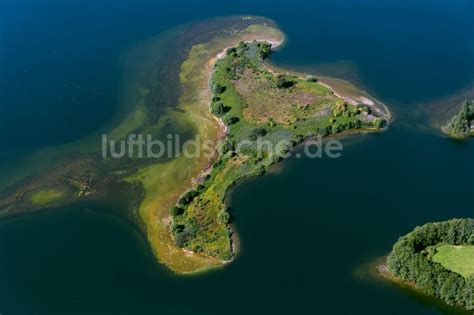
(48, 196)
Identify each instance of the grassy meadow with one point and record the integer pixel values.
(459, 259)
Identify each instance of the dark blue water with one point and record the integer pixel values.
(61, 66)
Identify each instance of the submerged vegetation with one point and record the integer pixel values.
(438, 258)
(462, 124)
(180, 201)
(48, 196)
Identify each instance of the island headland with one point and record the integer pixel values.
(226, 92)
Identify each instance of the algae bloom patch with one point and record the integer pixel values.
(48, 196)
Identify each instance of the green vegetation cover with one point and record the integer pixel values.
(425, 257)
(462, 125)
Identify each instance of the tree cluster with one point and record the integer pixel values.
(284, 82)
(412, 260)
(230, 120)
(219, 109)
(460, 125)
(256, 133)
(265, 50)
(218, 89)
(187, 197)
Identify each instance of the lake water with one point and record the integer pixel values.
(309, 229)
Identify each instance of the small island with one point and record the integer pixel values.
(254, 102)
(462, 124)
(438, 259)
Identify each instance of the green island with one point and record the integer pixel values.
(256, 103)
(221, 88)
(462, 124)
(438, 259)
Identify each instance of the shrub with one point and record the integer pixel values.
(298, 139)
(225, 147)
(364, 108)
(242, 46)
(271, 122)
(219, 109)
(283, 148)
(357, 124)
(470, 241)
(223, 217)
(283, 82)
(218, 89)
(339, 110)
(256, 133)
(200, 188)
(344, 126)
(324, 131)
(379, 123)
(353, 111)
(311, 79)
(230, 51)
(181, 238)
(230, 120)
(178, 228)
(176, 211)
(265, 50)
(335, 129)
(261, 170)
(187, 197)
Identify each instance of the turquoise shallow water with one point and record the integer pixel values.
(307, 230)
